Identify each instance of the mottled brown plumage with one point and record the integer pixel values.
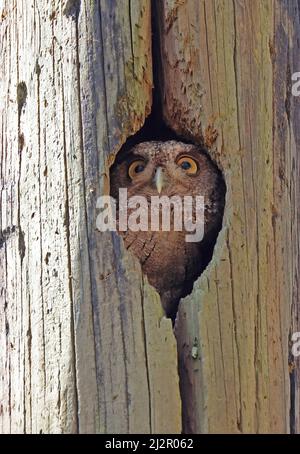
(170, 263)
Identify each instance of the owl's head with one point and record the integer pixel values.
(164, 168)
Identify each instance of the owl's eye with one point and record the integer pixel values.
(188, 164)
(135, 168)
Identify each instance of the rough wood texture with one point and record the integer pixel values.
(83, 343)
(227, 66)
(84, 346)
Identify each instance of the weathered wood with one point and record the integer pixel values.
(226, 65)
(84, 344)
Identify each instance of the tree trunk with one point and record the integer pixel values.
(84, 345)
(227, 72)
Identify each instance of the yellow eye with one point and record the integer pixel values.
(188, 164)
(136, 167)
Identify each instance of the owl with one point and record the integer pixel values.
(170, 168)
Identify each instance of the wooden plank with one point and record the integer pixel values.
(226, 67)
(84, 344)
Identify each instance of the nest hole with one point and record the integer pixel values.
(156, 130)
(154, 249)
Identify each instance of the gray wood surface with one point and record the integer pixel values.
(84, 344)
(226, 81)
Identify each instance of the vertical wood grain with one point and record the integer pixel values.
(84, 344)
(226, 72)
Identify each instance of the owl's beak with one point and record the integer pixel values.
(159, 179)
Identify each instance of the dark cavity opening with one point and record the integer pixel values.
(155, 129)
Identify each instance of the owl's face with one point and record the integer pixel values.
(164, 168)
